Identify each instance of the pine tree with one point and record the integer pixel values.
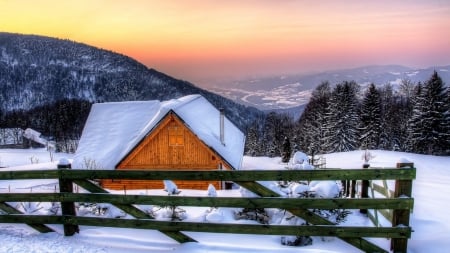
(415, 121)
(286, 153)
(429, 122)
(395, 112)
(407, 89)
(370, 124)
(342, 127)
(447, 122)
(312, 123)
(272, 133)
(276, 127)
(435, 138)
(252, 143)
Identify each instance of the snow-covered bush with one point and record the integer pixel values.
(313, 189)
(300, 190)
(214, 215)
(300, 161)
(110, 211)
(99, 209)
(325, 189)
(212, 191)
(298, 240)
(170, 211)
(257, 214)
(299, 158)
(170, 187)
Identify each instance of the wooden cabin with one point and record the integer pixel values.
(182, 134)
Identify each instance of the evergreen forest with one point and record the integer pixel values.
(414, 117)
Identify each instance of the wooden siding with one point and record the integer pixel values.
(172, 146)
(156, 184)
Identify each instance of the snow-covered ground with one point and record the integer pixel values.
(429, 220)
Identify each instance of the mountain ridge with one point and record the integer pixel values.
(37, 70)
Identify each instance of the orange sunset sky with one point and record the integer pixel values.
(201, 41)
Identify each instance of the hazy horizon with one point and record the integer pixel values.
(201, 41)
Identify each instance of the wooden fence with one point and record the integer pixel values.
(400, 203)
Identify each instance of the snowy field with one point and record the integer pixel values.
(429, 220)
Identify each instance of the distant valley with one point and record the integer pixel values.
(291, 93)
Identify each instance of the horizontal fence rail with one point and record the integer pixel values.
(237, 176)
(347, 231)
(282, 203)
(397, 202)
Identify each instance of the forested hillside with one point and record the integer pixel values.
(41, 75)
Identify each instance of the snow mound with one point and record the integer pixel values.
(214, 216)
(325, 189)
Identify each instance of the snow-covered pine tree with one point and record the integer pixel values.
(433, 133)
(370, 119)
(252, 143)
(342, 131)
(271, 127)
(415, 120)
(276, 127)
(447, 121)
(395, 112)
(406, 94)
(387, 117)
(212, 191)
(429, 124)
(312, 122)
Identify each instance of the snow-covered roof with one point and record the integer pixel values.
(35, 136)
(112, 130)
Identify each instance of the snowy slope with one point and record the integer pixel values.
(430, 220)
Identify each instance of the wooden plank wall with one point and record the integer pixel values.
(114, 184)
(171, 146)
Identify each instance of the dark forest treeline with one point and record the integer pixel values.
(414, 118)
(61, 121)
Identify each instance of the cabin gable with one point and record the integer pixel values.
(187, 133)
(171, 145)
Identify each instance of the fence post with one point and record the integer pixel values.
(67, 208)
(364, 189)
(403, 188)
(353, 191)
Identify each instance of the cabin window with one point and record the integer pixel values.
(176, 136)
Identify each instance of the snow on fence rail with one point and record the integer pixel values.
(400, 203)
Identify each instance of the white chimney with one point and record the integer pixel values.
(222, 127)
